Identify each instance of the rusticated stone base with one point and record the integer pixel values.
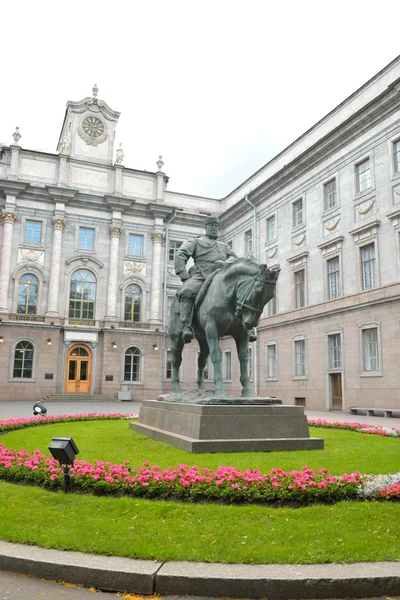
(200, 428)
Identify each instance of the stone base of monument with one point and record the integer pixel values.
(250, 427)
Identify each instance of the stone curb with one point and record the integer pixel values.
(276, 582)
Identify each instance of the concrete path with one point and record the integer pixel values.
(359, 580)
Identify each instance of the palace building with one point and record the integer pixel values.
(87, 250)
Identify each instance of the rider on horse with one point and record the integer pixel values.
(208, 253)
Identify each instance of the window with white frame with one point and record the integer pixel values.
(368, 266)
(330, 199)
(363, 175)
(334, 351)
(297, 213)
(248, 241)
(271, 228)
(300, 288)
(82, 296)
(135, 244)
(227, 364)
(396, 156)
(86, 238)
(132, 364)
(333, 266)
(370, 349)
(300, 358)
(173, 247)
(28, 290)
(23, 360)
(33, 232)
(271, 360)
(132, 302)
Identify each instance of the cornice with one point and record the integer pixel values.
(8, 187)
(365, 227)
(119, 202)
(61, 194)
(329, 242)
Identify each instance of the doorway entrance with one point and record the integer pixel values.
(79, 370)
(336, 391)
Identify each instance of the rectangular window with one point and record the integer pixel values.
(271, 360)
(333, 278)
(173, 247)
(300, 358)
(300, 288)
(86, 238)
(330, 194)
(370, 349)
(135, 245)
(168, 365)
(368, 267)
(396, 156)
(272, 305)
(363, 175)
(271, 229)
(207, 368)
(228, 364)
(297, 208)
(248, 241)
(334, 351)
(33, 232)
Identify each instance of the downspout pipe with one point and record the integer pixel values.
(255, 239)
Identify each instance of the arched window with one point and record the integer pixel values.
(28, 288)
(132, 364)
(23, 360)
(133, 303)
(82, 297)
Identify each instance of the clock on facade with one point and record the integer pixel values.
(93, 127)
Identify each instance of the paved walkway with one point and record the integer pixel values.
(181, 578)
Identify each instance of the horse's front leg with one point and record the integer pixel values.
(215, 353)
(201, 363)
(242, 345)
(176, 360)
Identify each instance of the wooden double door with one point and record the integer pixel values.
(78, 370)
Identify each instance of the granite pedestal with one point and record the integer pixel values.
(201, 428)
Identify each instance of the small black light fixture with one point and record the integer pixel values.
(112, 326)
(1, 339)
(49, 342)
(51, 322)
(114, 345)
(65, 450)
(39, 409)
(155, 346)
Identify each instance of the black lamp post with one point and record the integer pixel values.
(64, 450)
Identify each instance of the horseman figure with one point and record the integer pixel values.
(208, 254)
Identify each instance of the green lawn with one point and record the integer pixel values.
(164, 530)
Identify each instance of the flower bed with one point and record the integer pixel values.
(358, 427)
(226, 484)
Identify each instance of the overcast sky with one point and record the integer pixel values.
(217, 87)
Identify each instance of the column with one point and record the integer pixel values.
(55, 265)
(112, 289)
(156, 278)
(8, 219)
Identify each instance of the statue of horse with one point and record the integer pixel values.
(232, 304)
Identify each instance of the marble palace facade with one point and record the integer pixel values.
(87, 247)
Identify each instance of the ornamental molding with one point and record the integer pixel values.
(134, 278)
(131, 267)
(8, 216)
(158, 237)
(89, 141)
(59, 223)
(84, 259)
(94, 106)
(366, 209)
(271, 253)
(115, 231)
(299, 240)
(31, 256)
(332, 224)
(24, 268)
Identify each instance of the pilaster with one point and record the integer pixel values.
(8, 219)
(112, 289)
(156, 278)
(55, 267)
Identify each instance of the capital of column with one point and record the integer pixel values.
(115, 231)
(158, 237)
(8, 216)
(59, 223)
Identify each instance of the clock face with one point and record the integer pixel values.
(93, 127)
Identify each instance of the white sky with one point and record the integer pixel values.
(218, 87)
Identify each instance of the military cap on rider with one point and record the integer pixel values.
(209, 220)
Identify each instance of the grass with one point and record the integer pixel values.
(345, 532)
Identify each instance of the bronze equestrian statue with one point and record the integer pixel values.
(221, 295)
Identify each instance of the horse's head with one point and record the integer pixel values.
(253, 291)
